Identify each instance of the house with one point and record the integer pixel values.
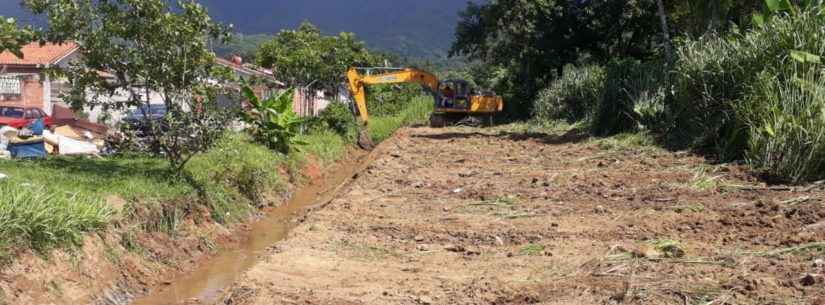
(24, 81)
(306, 102)
(262, 81)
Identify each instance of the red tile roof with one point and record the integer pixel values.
(35, 54)
(247, 69)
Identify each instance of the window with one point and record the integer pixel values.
(11, 112)
(33, 114)
(10, 85)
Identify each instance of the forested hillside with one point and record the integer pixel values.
(414, 28)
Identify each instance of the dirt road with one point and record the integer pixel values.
(469, 216)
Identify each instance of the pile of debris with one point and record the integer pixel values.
(74, 136)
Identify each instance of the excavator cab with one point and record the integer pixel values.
(459, 98)
(466, 105)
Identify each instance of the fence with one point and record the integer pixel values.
(307, 103)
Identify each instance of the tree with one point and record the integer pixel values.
(531, 39)
(665, 30)
(138, 47)
(305, 56)
(12, 38)
(698, 17)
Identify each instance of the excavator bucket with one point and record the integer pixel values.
(364, 139)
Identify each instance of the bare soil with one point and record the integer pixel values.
(470, 216)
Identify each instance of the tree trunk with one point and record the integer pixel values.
(665, 31)
(714, 15)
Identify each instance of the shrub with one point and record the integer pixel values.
(338, 118)
(633, 98)
(572, 98)
(786, 126)
(714, 74)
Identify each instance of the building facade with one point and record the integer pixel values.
(24, 82)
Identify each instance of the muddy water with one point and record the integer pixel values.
(206, 284)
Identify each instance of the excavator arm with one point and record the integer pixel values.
(358, 82)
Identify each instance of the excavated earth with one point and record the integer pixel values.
(490, 216)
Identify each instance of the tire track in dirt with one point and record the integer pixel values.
(468, 216)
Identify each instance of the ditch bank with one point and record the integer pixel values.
(124, 263)
(206, 283)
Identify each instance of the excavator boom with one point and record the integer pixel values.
(462, 102)
(358, 82)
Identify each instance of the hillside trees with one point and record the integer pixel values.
(137, 47)
(534, 40)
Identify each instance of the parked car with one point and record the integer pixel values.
(137, 117)
(19, 117)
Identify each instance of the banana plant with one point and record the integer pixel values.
(272, 121)
(792, 9)
(774, 7)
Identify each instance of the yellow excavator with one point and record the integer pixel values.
(455, 100)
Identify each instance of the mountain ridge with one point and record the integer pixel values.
(423, 28)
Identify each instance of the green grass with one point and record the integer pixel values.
(326, 145)
(572, 98)
(625, 141)
(41, 217)
(53, 203)
(235, 176)
(739, 96)
(532, 250)
(785, 125)
(417, 111)
(129, 177)
(670, 248)
(705, 180)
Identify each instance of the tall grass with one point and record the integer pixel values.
(739, 96)
(634, 97)
(235, 176)
(785, 121)
(574, 97)
(624, 96)
(416, 111)
(42, 218)
(325, 145)
(714, 74)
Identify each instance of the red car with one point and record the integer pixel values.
(19, 117)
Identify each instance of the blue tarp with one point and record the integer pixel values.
(28, 150)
